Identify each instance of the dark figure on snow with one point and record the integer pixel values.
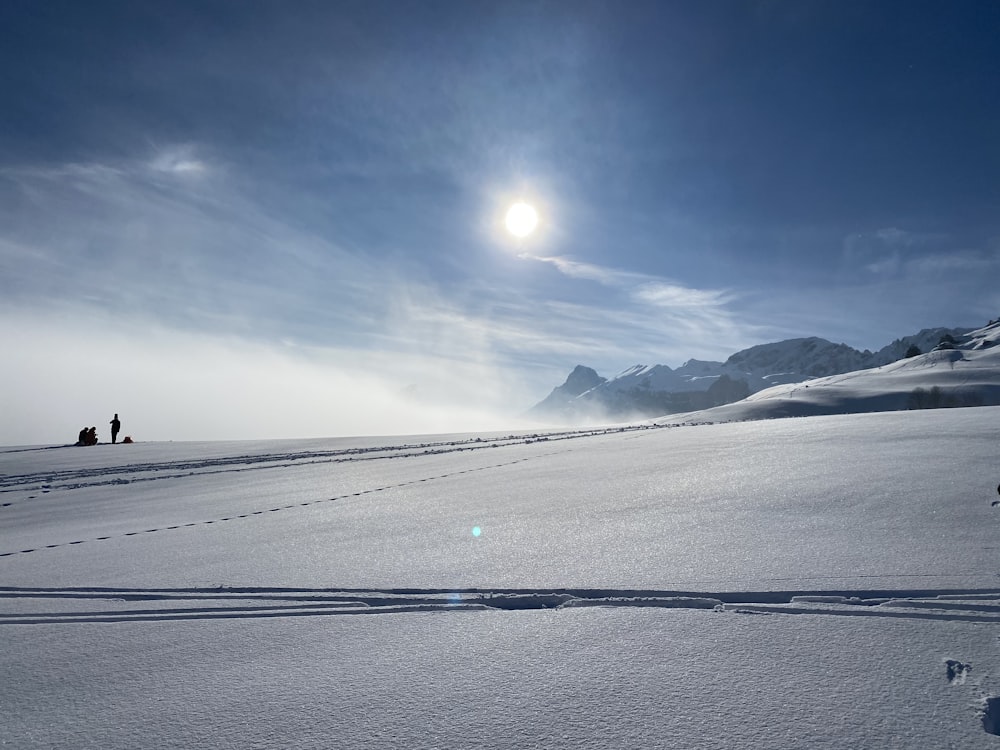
(82, 439)
(115, 427)
(91, 436)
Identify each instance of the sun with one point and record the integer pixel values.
(521, 219)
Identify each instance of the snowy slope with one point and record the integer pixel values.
(796, 360)
(968, 375)
(592, 589)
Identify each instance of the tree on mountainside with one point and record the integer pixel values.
(921, 398)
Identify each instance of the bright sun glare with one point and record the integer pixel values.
(521, 219)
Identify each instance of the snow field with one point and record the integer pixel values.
(821, 582)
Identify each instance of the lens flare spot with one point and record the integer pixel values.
(476, 531)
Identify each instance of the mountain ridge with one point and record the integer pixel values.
(643, 391)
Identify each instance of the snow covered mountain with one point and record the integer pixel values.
(645, 391)
(964, 373)
(581, 380)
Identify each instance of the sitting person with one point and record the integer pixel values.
(82, 438)
(91, 436)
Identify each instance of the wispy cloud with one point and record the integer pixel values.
(691, 315)
(577, 270)
(183, 251)
(178, 160)
(892, 251)
(675, 296)
(642, 287)
(973, 261)
(895, 237)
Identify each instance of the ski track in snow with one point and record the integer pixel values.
(278, 509)
(46, 482)
(134, 604)
(112, 475)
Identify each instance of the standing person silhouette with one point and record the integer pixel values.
(115, 427)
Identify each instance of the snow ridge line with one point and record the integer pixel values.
(290, 506)
(972, 605)
(47, 481)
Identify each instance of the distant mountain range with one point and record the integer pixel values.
(644, 391)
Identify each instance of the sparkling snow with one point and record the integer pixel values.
(821, 582)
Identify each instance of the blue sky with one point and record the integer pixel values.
(263, 219)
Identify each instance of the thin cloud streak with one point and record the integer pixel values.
(665, 294)
(642, 287)
(588, 271)
(897, 253)
(180, 160)
(676, 313)
(144, 244)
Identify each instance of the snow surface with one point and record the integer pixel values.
(824, 582)
(937, 379)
